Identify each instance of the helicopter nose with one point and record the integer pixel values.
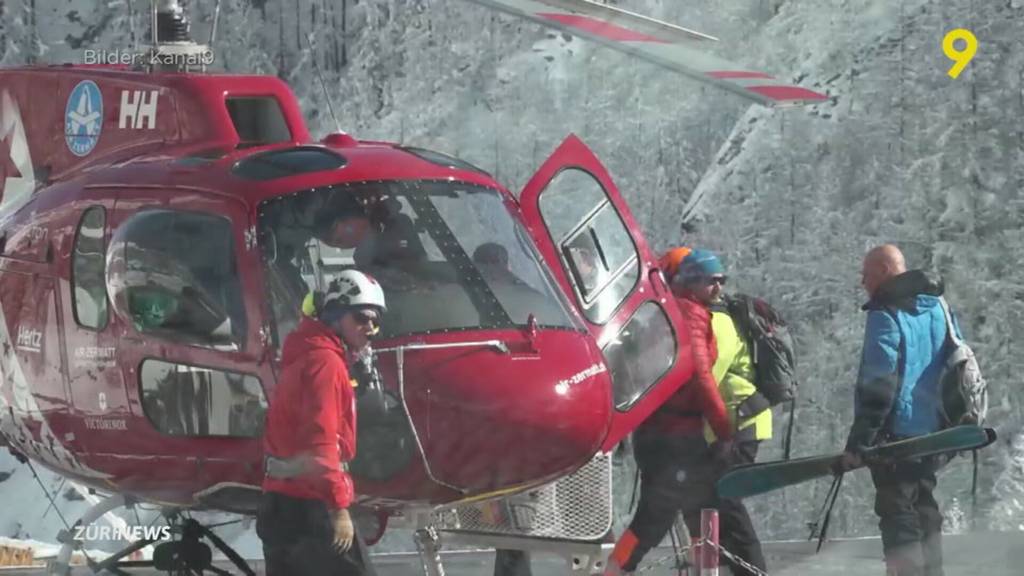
(489, 420)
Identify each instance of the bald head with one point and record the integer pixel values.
(880, 264)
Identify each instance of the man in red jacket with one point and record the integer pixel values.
(303, 517)
(676, 464)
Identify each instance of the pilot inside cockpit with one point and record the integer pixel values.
(491, 259)
(393, 241)
(343, 225)
(338, 222)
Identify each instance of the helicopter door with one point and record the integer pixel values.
(32, 385)
(188, 337)
(595, 249)
(96, 387)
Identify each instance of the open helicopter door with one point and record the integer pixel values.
(594, 247)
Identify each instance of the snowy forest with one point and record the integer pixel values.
(901, 152)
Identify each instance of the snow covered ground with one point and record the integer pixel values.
(991, 554)
(26, 514)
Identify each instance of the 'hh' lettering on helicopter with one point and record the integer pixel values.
(138, 107)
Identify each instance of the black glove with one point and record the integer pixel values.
(722, 453)
(848, 461)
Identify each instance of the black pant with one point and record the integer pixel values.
(297, 536)
(676, 475)
(910, 519)
(736, 531)
(512, 563)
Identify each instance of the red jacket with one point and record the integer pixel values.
(313, 412)
(698, 399)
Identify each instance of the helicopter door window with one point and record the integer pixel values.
(642, 352)
(182, 400)
(598, 252)
(258, 120)
(87, 269)
(173, 274)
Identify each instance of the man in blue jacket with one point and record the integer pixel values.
(898, 396)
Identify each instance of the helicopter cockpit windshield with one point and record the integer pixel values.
(449, 255)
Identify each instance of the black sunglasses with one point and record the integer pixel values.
(362, 318)
(720, 280)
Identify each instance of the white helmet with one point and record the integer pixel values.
(352, 288)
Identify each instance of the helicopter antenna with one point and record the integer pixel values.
(155, 29)
(319, 74)
(173, 49)
(131, 26)
(216, 18)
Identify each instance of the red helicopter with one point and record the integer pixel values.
(160, 227)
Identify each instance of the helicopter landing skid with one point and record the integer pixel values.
(183, 556)
(61, 566)
(428, 543)
(190, 556)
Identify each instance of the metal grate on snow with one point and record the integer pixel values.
(576, 507)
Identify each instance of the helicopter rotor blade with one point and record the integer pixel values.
(658, 42)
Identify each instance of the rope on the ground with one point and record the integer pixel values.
(739, 561)
(732, 557)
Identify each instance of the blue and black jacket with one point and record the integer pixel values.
(898, 393)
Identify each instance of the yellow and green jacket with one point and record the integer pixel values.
(734, 373)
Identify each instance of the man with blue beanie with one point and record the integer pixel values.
(898, 396)
(677, 466)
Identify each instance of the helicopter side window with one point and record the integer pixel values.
(596, 247)
(258, 120)
(640, 354)
(87, 261)
(173, 274)
(182, 400)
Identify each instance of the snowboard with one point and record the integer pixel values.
(752, 479)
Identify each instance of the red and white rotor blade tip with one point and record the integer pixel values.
(660, 43)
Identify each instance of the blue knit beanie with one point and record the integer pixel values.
(699, 263)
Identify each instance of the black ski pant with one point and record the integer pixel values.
(676, 475)
(297, 536)
(910, 519)
(736, 531)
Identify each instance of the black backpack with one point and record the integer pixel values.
(771, 351)
(770, 345)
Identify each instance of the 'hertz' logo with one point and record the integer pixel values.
(30, 339)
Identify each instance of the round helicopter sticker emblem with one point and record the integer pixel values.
(83, 118)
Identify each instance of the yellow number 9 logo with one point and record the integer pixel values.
(960, 57)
